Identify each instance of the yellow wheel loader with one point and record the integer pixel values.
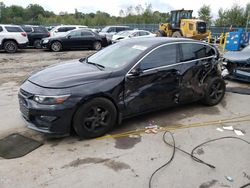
(182, 24)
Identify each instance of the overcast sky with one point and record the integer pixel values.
(114, 6)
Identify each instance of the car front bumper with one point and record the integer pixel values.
(49, 119)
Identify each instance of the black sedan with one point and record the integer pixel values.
(93, 94)
(76, 39)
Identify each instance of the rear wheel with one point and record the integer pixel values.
(56, 46)
(214, 91)
(10, 46)
(97, 45)
(160, 33)
(177, 34)
(37, 44)
(94, 118)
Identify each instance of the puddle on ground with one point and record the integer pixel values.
(126, 142)
(112, 164)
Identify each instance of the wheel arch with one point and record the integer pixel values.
(100, 95)
(9, 39)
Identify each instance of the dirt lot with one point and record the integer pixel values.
(125, 160)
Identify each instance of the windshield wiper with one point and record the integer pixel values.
(96, 64)
(85, 59)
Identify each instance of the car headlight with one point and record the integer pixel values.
(45, 41)
(50, 100)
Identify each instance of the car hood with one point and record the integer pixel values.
(68, 74)
(238, 57)
(115, 37)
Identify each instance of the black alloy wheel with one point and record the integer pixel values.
(215, 91)
(94, 118)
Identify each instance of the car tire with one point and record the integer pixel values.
(37, 44)
(94, 118)
(160, 33)
(56, 46)
(10, 46)
(214, 91)
(97, 45)
(177, 34)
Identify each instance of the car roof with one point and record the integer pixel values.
(117, 26)
(9, 25)
(155, 41)
(71, 26)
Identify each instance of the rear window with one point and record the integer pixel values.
(13, 29)
(27, 29)
(193, 51)
(40, 30)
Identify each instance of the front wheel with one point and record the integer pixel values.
(97, 45)
(37, 44)
(214, 91)
(94, 118)
(56, 46)
(177, 34)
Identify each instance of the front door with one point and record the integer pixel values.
(154, 82)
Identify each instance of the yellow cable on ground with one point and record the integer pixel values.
(180, 126)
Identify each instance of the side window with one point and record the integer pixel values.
(111, 29)
(75, 34)
(162, 56)
(1, 29)
(13, 29)
(87, 34)
(40, 30)
(210, 51)
(61, 29)
(193, 51)
(118, 29)
(143, 33)
(70, 28)
(27, 29)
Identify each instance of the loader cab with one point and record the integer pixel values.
(178, 15)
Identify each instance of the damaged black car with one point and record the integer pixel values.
(93, 94)
(237, 65)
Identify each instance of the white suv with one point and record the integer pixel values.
(61, 29)
(12, 37)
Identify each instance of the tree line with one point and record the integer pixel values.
(236, 16)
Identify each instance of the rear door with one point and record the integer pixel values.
(87, 39)
(158, 82)
(196, 59)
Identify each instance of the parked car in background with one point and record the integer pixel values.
(131, 77)
(131, 34)
(12, 38)
(35, 34)
(78, 38)
(109, 31)
(238, 64)
(61, 29)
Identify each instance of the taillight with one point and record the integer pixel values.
(49, 34)
(24, 34)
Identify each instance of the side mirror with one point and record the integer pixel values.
(56, 31)
(69, 36)
(135, 72)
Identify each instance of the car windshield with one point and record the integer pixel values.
(126, 33)
(118, 55)
(105, 29)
